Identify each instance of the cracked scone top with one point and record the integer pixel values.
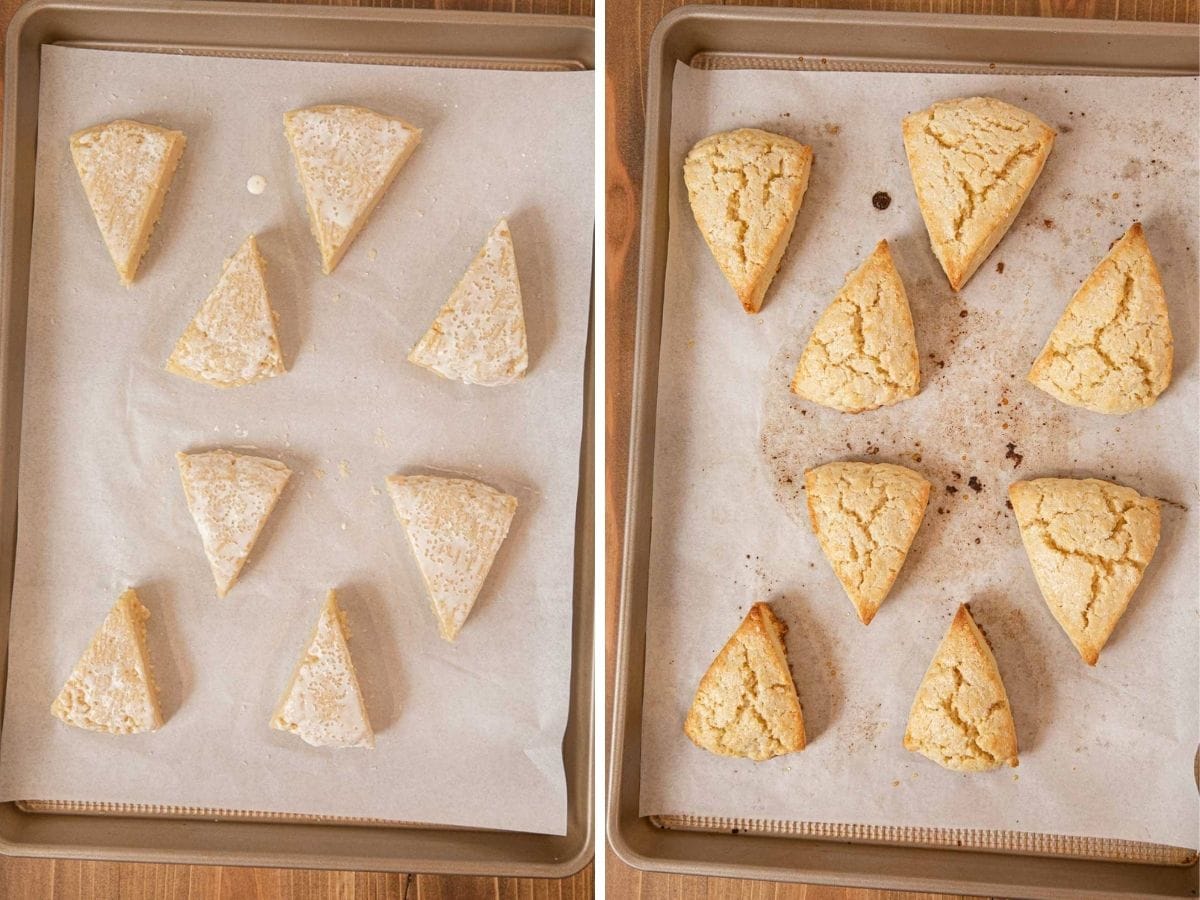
(863, 351)
(746, 704)
(865, 516)
(961, 718)
(1089, 542)
(745, 188)
(973, 162)
(1111, 352)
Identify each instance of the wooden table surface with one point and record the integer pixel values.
(629, 25)
(34, 878)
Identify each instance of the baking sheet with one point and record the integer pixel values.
(467, 734)
(1107, 752)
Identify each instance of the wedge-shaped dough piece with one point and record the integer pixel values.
(1088, 541)
(961, 718)
(746, 704)
(863, 350)
(973, 161)
(455, 527)
(865, 516)
(323, 703)
(231, 341)
(230, 497)
(479, 335)
(1112, 350)
(126, 168)
(112, 687)
(346, 158)
(745, 188)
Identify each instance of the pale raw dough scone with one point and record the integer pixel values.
(455, 527)
(230, 497)
(478, 337)
(231, 341)
(865, 516)
(961, 718)
(126, 169)
(745, 188)
(863, 350)
(746, 704)
(112, 686)
(1088, 542)
(1111, 352)
(346, 158)
(323, 704)
(974, 161)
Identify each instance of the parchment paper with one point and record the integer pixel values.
(467, 734)
(1105, 752)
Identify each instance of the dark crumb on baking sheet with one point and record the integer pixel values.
(951, 489)
(1008, 503)
(881, 200)
(962, 314)
(1047, 223)
(975, 484)
(1000, 268)
(1014, 455)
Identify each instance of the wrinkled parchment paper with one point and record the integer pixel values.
(467, 734)
(1105, 752)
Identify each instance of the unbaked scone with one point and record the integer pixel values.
(231, 341)
(346, 158)
(112, 687)
(973, 161)
(863, 351)
(1089, 542)
(1111, 352)
(746, 704)
(865, 516)
(745, 188)
(478, 337)
(961, 718)
(126, 169)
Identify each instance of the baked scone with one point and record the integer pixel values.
(232, 341)
(346, 158)
(745, 188)
(974, 161)
(961, 718)
(863, 350)
(1111, 352)
(126, 168)
(1088, 542)
(865, 516)
(455, 527)
(230, 497)
(746, 704)
(479, 335)
(112, 687)
(323, 704)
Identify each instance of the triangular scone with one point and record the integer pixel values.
(479, 335)
(126, 168)
(455, 527)
(1088, 541)
(230, 497)
(863, 350)
(231, 341)
(745, 188)
(961, 718)
(323, 703)
(973, 161)
(112, 688)
(746, 704)
(346, 157)
(1111, 352)
(865, 516)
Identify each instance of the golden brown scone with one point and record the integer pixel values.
(1111, 352)
(746, 704)
(745, 188)
(863, 351)
(974, 161)
(961, 718)
(1088, 541)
